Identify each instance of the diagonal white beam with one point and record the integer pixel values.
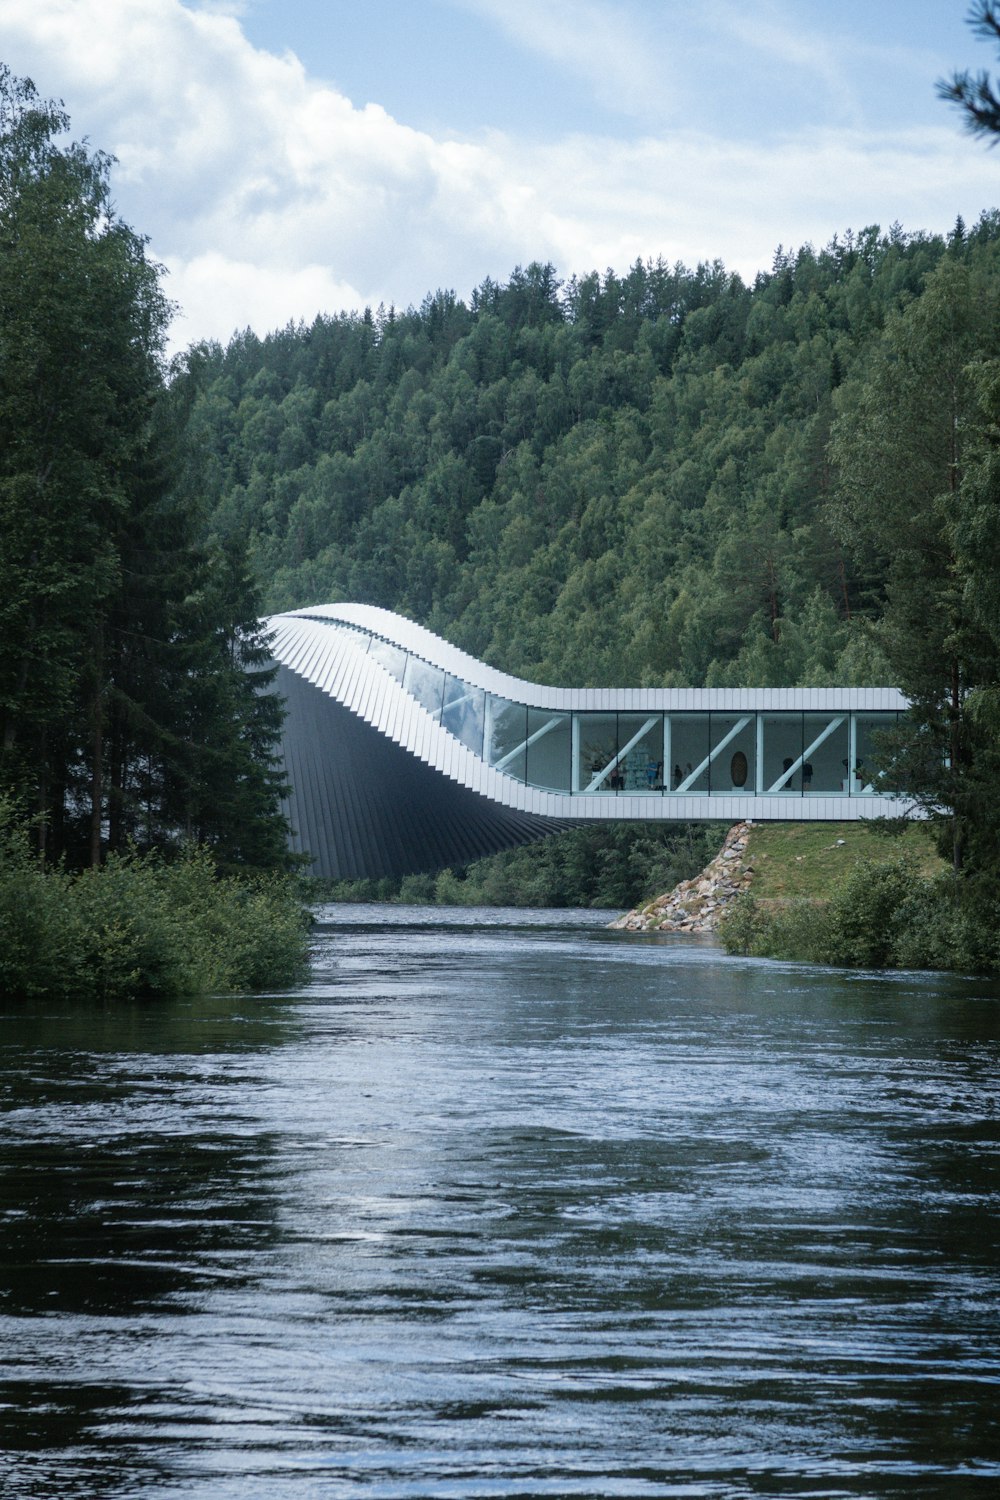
(716, 750)
(599, 778)
(785, 775)
(505, 760)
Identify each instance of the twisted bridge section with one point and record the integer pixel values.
(405, 754)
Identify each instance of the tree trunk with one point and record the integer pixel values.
(97, 752)
(957, 848)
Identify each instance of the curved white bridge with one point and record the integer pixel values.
(406, 754)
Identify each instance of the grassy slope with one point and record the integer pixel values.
(809, 860)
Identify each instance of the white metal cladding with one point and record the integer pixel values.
(382, 787)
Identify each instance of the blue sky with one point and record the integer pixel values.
(287, 157)
(460, 65)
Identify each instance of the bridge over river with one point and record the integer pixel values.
(406, 754)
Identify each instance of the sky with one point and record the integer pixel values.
(291, 157)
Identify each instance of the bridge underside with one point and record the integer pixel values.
(364, 808)
(404, 754)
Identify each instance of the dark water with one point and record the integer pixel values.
(496, 1210)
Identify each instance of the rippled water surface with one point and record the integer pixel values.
(505, 1206)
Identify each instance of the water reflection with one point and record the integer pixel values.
(507, 1208)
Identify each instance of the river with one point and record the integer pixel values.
(504, 1204)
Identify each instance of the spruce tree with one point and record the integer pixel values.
(127, 713)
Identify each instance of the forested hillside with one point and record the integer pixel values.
(617, 480)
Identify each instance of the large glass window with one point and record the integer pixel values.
(390, 657)
(360, 639)
(865, 778)
(733, 753)
(548, 750)
(464, 713)
(597, 753)
(425, 683)
(824, 753)
(690, 746)
(640, 752)
(506, 735)
(783, 747)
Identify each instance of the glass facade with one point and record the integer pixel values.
(777, 754)
(506, 736)
(464, 713)
(549, 750)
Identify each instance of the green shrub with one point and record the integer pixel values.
(132, 941)
(38, 938)
(864, 918)
(416, 890)
(248, 933)
(141, 927)
(947, 924)
(743, 925)
(798, 931)
(449, 890)
(884, 915)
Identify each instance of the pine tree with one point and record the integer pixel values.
(81, 323)
(131, 661)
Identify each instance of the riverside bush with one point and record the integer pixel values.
(38, 939)
(250, 931)
(864, 918)
(796, 931)
(140, 927)
(612, 867)
(885, 915)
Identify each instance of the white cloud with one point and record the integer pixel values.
(218, 296)
(695, 197)
(271, 197)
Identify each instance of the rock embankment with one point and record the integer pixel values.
(697, 905)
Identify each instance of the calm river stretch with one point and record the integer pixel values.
(504, 1204)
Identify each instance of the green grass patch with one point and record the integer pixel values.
(811, 861)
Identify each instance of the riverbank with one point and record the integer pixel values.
(140, 927)
(860, 895)
(699, 904)
(779, 864)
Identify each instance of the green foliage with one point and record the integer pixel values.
(741, 928)
(38, 936)
(862, 921)
(81, 321)
(127, 713)
(248, 930)
(622, 479)
(917, 431)
(884, 914)
(611, 867)
(139, 927)
(417, 890)
(975, 94)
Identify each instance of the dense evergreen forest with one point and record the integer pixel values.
(617, 480)
(142, 843)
